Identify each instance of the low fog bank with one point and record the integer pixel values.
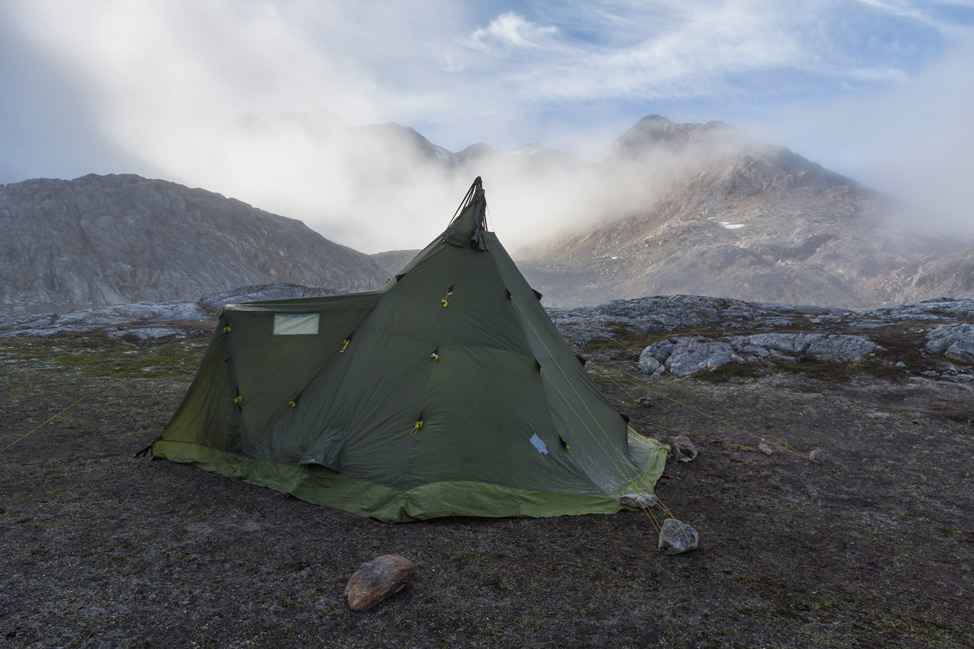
(385, 187)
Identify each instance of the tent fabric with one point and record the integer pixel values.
(448, 392)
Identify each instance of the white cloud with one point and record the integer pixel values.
(169, 81)
(912, 139)
(511, 30)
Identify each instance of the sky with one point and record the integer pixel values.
(879, 90)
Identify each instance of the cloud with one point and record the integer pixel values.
(912, 139)
(510, 30)
(167, 87)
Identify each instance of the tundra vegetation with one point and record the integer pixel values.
(872, 548)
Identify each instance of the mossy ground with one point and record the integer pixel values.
(872, 549)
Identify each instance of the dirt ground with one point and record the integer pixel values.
(872, 549)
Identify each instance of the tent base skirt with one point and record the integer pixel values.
(323, 486)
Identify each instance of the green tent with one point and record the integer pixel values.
(448, 392)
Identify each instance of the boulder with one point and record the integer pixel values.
(834, 348)
(940, 339)
(764, 448)
(648, 364)
(683, 449)
(687, 355)
(676, 537)
(377, 580)
(782, 343)
(840, 349)
(817, 456)
(644, 402)
(692, 355)
(962, 350)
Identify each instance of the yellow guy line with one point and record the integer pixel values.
(623, 470)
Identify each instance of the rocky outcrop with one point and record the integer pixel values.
(686, 356)
(765, 335)
(100, 240)
(683, 356)
(953, 341)
(138, 319)
(660, 314)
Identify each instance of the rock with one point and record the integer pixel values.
(644, 402)
(840, 349)
(788, 343)
(817, 456)
(377, 580)
(940, 339)
(146, 333)
(764, 448)
(649, 365)
(694, 355)
(639, 501)
(962, 350)
(828, 348)
(686, 355)
(676, 537)
(683, 448)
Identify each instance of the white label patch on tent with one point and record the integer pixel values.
(538, 444)
(304, 324)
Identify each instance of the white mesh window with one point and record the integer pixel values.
(304, 324)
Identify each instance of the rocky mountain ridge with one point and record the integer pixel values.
(733, 217)
(113, 239)
(680, 209)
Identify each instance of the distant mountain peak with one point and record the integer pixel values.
(655, 133)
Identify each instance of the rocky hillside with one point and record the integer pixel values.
(394, 261)
(725, 215)
(100, 240)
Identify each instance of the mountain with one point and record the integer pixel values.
(949, 275)
(393, 261)
(390, 150)
(122, 238)
(718, 213)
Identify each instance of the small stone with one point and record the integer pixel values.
(639, 501)
(817, 456)
(377, 580)
(676, 537)
(764, 448)
(644, 402)
(683, 448)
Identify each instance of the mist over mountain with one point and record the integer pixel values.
(721, 214)
(113, 239)
(673, 208)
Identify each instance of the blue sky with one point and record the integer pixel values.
(881, 90)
